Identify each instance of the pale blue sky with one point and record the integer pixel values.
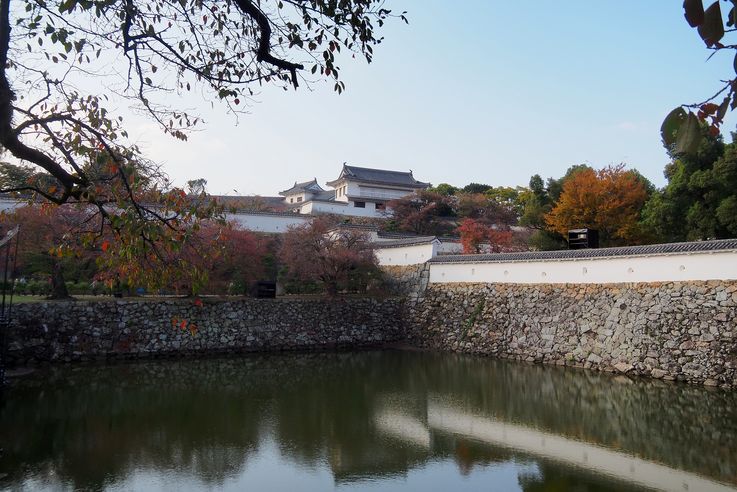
(472, 91)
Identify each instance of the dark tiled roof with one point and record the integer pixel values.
(410, 241)
(358, 227)
(254, 202)
(571, 254)
(380, 176)
(325, 196)
(275, 214)
(310, 186)
(403, 235)
(396, 235)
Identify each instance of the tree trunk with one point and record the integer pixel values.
(331, 287)
(58, 286)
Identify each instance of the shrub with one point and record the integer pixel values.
(337, 260)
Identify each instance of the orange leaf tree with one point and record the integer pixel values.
(480, 237)
(473, 233)
(609, 200)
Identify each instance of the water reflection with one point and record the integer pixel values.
(362, 421)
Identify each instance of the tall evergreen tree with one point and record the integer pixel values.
(700, 199)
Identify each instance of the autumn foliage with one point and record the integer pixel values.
(479, 237)
(212, 258)
(423, 212)
(473, 234)
(337, 260)
(609, 200)
(208, 257)
(49, 240)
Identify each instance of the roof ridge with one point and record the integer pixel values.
(378, 169)
(617, 251)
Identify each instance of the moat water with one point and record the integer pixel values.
(366, 421)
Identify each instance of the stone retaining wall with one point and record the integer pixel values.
(407, 280)
(82, 330)
(677, 330)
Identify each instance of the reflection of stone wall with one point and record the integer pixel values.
(212, 416)
(675, 330)
(66, 331)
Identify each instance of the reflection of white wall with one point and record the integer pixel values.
(717, 265)
(403, 427)
(598, 459)
(271, 223)
(406, 255)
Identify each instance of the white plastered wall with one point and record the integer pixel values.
(719, 265)
(406, 255)
(267, 223)
(340, 208)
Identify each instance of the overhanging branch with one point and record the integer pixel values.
(8, 135)
(263, 52)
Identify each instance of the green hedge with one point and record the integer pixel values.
(43, 288)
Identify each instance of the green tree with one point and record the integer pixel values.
(444, 189)
(476, 188)
(15, 177)
(700, 199)
(510, 198)
(540, 200)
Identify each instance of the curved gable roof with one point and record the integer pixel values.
(379, 176)
(308, 186)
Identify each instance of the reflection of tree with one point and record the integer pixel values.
(93, 426)
(89, 430)
(548, 478)
(469, 453)
(684, 426)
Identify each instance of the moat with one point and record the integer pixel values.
(369, 421)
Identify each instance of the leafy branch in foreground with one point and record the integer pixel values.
(65, 65)
(681, 129)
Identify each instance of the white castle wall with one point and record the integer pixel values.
(265, 222)
(406, 255)
(707, 265)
